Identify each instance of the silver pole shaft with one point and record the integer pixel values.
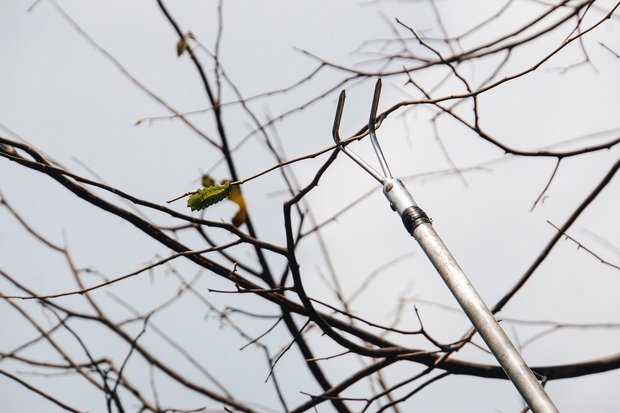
(483, 320)
(418, 224)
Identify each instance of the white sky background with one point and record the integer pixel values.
(67, 99)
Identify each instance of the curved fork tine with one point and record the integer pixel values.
(372, 132)
(336, 127)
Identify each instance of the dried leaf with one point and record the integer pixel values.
(181, 46)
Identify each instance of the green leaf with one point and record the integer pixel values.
(207, 180)
(204, 198)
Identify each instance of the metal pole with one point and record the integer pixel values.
(418, 225)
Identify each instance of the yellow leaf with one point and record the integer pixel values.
(242, 215)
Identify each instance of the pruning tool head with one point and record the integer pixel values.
(373, 137)
(394, 190)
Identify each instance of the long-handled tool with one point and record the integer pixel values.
(419, 226)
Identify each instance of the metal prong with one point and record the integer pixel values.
(373, 136)
(338, 118)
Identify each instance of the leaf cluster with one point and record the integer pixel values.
(213, 193)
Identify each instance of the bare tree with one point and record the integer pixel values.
(301, 292)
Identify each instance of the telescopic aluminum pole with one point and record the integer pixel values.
(419, 226)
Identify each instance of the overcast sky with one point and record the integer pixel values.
(73, 101)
